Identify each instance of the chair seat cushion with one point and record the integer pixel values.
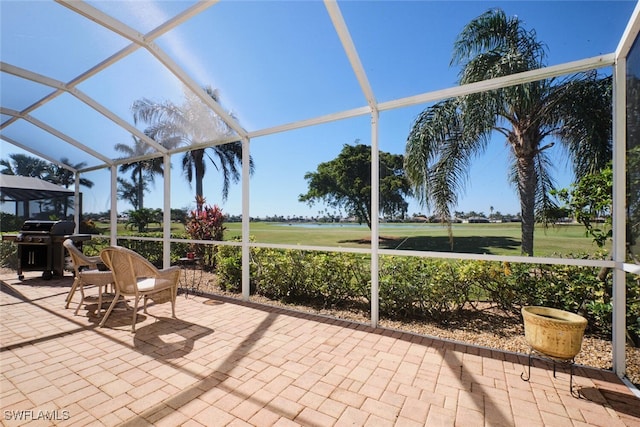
(147, 284)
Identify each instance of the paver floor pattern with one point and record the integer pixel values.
(223, 362)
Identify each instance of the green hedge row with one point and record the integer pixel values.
(300, 276)
(427, 288)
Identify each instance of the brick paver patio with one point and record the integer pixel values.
(224, 362)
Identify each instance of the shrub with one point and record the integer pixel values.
(229, 267)
(206, 223)
(486, 281)
(633, 310)
(420, 287)
(8, 255)
(94, 246)
(151, 250)
(301, 276)
(284, 275)
(9, 222)
(337, 278)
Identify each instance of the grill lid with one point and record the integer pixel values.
(37, 226)
(56, 228)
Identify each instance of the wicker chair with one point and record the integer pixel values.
(86, 272)
(136, 277)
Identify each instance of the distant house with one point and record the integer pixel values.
(477, 220)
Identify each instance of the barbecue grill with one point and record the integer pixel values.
(40, 246)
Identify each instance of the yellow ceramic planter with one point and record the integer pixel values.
(552, 332)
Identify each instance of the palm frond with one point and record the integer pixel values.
(584, 106)
(544, 184)
(439, 152)
(431, 128)
(497, 44)
(148, 111)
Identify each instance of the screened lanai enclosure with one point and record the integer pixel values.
(90, 86)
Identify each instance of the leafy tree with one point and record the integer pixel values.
(345, 182)
(633, 165)
(448, 135)
(193, 123)
(23, 165)
(590, 201)
(179, 215)
(144, 171)
(141, 218)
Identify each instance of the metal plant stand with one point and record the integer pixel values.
(191, 275)
(556, 361)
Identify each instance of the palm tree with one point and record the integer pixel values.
(24, 165)
(193, 123)
(448, 135)
(62, 176)
(142, 172)
(130, 191)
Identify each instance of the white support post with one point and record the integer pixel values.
(246, 264)
(619, 219)
(166, 213)
(375, 208)
(114, 206)
(76, 202)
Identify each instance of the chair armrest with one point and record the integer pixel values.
(170, 270)
(86, 261)
(172, 273)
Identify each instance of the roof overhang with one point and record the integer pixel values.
(25, 188)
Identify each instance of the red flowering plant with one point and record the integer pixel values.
(205, 223)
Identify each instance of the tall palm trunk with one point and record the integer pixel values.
(199, 176)
(140, 188)
(527, 183)
(525, 146)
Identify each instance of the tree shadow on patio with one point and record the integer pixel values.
(8, 286)
(624, 403)
(34, 278)
(10, 290)
(169, 338)
(216, 378)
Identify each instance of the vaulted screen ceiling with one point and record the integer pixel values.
(71, 70)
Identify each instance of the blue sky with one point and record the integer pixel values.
(274, 62)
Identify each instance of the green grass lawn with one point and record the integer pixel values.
(495, 239)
